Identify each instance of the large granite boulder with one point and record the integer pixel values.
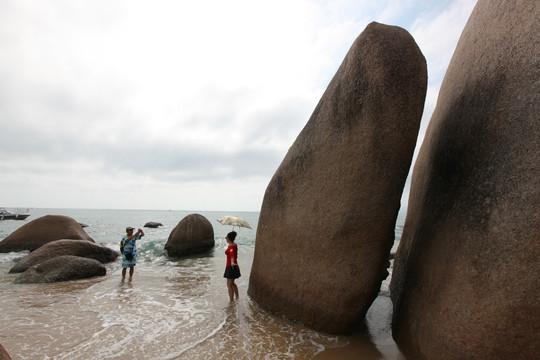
(194, 234)
(41, 231)
(86, 249)
(465, 282)
(62, 268)
(327, 221)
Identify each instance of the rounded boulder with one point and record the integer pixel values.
(42, 231)
(194, 234)
(62, 268)
(86, 249)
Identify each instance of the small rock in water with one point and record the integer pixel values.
(153, 224)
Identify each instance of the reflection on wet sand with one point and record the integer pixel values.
(373, 340)
(247, 332)
(360, 347)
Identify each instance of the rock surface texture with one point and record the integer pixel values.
(62, 268)
(327, 221)
(4, 354)
(86, 249)
(465, 282)
(41, 231)
(194, 234)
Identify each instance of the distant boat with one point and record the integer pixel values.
(6, 215)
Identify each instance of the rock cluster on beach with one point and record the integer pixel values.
(194, 234)
(70, 258)
(327, 221)
(43, 230)
(57, 248)
(465, 282)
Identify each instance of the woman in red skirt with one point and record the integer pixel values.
(232, 271)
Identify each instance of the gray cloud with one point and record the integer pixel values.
(172, 94)
(162, 160)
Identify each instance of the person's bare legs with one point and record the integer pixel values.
(230, 289)
(233, 289)
(123, 274)
(131, 271)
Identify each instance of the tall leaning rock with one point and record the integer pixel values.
(327, 221)
(465, 282)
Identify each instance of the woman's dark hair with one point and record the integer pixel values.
(232, 235)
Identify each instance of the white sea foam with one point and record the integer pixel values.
(10, 257)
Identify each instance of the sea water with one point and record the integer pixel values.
(173, 308)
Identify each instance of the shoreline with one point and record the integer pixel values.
(175, 304)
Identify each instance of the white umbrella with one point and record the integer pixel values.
(234, 221)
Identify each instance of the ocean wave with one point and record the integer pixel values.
(12, 256)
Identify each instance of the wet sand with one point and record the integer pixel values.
(373, 342)
(360, 347)
(76, 319)
(176, 313)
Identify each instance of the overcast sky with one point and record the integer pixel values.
(187, 105)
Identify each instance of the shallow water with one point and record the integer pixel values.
(173, 309)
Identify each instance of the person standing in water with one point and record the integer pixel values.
(232, 271)
(128, 248)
